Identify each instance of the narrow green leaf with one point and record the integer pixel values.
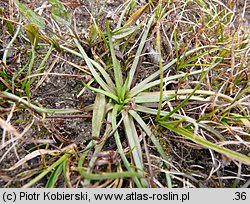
(123, 32)
(154, 98)
(153, 139)
(31, 15)
(84, 154)
(159, 47)
(201, 141)
(65, 174)
(139, 51)
(88, 61)
(141, 88)
(175, 109)
(127, 8)
(148, 82)
(133, 139)
(119, 144)
(168, 93)
(54, 176)
(124, 89)
(100, 145)
(46, 171)
(116, 65)
(191, 59)
(108, 85)
(134, 143)
(104, 74)
(149, 133)
(180, 117)
(106, 93)
(98, 114)
(104, 176)
(28, 81)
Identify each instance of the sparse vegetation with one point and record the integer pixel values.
(128, 94)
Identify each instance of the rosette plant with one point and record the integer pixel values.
(123, 98)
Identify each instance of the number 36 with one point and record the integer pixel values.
(240, 196)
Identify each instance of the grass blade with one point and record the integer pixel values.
(139, 51)
(185, 100)
(104, 74)
(116, 65)
(134, 144)
(88, 61)
(119, 145)
(147, 83)
(104, 176)
(46, 171)
(123, 32)
(158, 43)
(100, 145)
(98, 114)
(106, 93)
(92, 63)
(180, 117)
(54, 176)
(153, 139)
(154, 97)
(128, 6)
(139, 89)
(205, 143)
